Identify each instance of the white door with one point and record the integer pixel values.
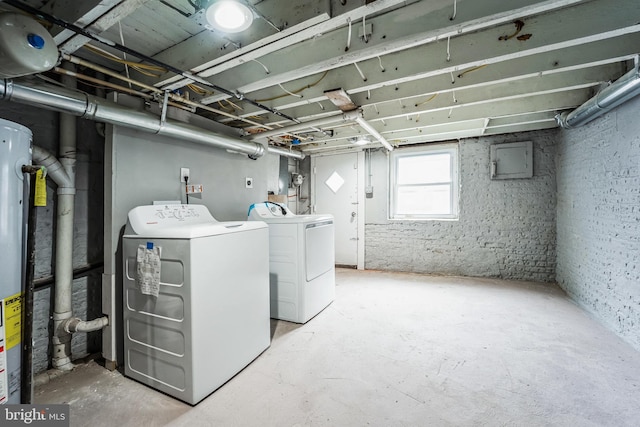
(335, 190)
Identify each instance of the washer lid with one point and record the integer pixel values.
(180, 222)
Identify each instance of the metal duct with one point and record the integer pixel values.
(90, 107)
(620, 91)
(284, 152)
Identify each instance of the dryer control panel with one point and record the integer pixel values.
(269, 210)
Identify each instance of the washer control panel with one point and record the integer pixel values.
(153, 217)
(179, 212)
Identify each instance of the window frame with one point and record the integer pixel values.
(452, 151)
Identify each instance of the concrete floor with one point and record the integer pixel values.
(398, 349)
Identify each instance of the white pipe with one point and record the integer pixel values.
(62, 310)
(55, 170)
(64, 246)
(76, 325)
(367, 126)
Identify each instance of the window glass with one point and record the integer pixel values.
(424, 183)
(424, 169)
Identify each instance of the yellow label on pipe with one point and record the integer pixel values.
(41, 189)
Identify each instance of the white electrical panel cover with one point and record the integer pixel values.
(512, 160)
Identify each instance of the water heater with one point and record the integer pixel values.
(26, 47)
(15, 151)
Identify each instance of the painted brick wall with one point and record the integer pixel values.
(598, 219)
(88, 230)
(506, 228)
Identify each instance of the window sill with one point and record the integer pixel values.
(422, 219)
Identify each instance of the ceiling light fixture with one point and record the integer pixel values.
(360, 140)
(229, 16)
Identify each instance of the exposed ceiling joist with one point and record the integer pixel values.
(414, 71)
(468, 55)
(401, 31)
(312, 28)
(81, 13)
(420, 95)
(418, 128)
(98, 25)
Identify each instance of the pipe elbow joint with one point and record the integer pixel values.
(561, 119)
(77, 325)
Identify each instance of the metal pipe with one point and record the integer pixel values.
(287, 153)
(187, 75)
(104, 83)
(343, 117)
(90, 107)
(177, 98)
(620, 91)
(367, 126)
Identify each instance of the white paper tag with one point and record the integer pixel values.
(148, 270)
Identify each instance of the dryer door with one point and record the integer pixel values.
(319, 249)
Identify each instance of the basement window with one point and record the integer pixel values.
(424, 183)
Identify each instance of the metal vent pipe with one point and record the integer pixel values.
(90, 107)
(620, 91)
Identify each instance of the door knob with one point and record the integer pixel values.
(353, 214)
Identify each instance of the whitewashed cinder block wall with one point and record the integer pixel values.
(598, 172)
(506, 228)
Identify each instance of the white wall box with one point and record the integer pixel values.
(512, 160)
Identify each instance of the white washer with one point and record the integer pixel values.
(211, 317)
(301, 261)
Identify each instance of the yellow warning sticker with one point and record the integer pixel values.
(13, 320)
(41, 189)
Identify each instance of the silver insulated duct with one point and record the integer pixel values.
(620, 91)
(90, 107)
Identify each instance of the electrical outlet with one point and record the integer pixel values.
(184, 172)
(248, 182)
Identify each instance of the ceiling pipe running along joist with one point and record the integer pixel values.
(90, 107)
(620, 91)
(348, 117)
(341, 99)
(367, 126)
(66, 25)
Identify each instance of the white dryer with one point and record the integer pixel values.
(301, 261)
(210, 317)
